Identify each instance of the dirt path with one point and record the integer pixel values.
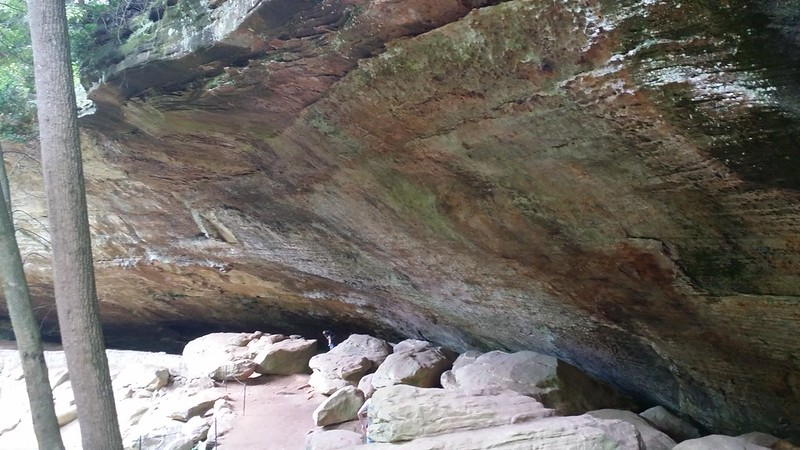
(276, 414)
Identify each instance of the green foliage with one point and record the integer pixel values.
(91, 24)
(17, 109)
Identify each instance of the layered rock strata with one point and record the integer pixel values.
(611, 182)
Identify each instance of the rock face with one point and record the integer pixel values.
(610, 182)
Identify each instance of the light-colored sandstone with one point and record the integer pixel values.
(341, 406)
(402, 412)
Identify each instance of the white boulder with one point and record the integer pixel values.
(332, 371)
(555, 383)
(526, 372)
(415, 363)
(551, 433)
(341, 406)
(221, 356)
(402, 412)
(286, 357)
(374, 349)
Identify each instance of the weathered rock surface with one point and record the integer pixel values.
(331, 371)
(611, 182)
(677, 428)
(195, 405)
(341, 406)
(286, 357)
(718, 442)
(333, 440)
(365, 385)
(554, 383)
(401, 412)
(220, 356)
(551, 433)
(652, 438)
(149, 378)
(414, 362)
(374, 349)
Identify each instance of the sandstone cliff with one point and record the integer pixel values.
(613, 182)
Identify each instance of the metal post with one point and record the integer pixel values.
(244, 401)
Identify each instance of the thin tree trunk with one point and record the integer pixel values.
(26, 328)
(73, 273)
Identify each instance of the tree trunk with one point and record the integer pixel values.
(73, 274)
(26, 327)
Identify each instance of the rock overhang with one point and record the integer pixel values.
(559, 176)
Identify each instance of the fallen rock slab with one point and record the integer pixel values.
(402, 412)
(551, 433)
(195, 405)
(652, 438)
(675, 427)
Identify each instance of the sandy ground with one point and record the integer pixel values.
(272, 412)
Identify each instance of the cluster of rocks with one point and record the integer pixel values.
(425, 397)
(421, 397)
(167, 402)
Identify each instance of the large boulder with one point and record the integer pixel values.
(286, 357)
(333, 371)
(144, 377)
(652, 438)
(551, 433)
(374, 349)
(416, 363)
(555, 383)
(341, 406)
(677, 428)
(402, 412)
(221, 356)
(526, 372)
(718, 442)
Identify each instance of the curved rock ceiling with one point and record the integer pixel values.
(613, 182)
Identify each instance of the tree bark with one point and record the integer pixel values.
(73, 273)
(26, 327)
